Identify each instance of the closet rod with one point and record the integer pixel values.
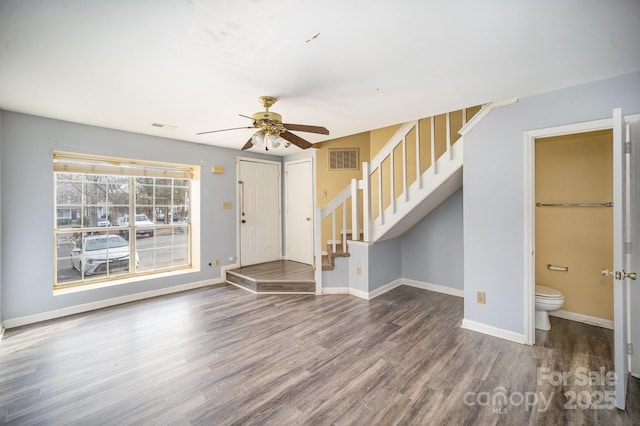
(609, 204)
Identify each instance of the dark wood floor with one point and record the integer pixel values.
(221, 355)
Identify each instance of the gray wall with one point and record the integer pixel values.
(384, 263)
(28, 206)
(432, 251)
(494, 190)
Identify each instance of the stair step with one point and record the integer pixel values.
(278, 277)
(327, 263)
(340, 252)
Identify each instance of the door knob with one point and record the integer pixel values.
(606, 273)
(308, 219)
(630, 275)
(619, 275)
(243, 221)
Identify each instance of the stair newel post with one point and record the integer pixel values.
(343, 232)
(366, 202)
(317, 242)
(355, 229)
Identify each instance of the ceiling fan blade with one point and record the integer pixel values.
(248, 145)
(305, 128)
(296, 140)
(224, 130)
(245, 116)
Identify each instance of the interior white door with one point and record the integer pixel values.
(622, 217)
(634, 261)
(259, 202)
(299, 190)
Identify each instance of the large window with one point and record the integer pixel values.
(118, 218)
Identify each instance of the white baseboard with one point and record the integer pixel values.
(385, 288)
(335, 290)
(492, 331)
(359, 293)
(390, 286)
(77, 309)
(573, 316)
(433, 287)
(225, 268)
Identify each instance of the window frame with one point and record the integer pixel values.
(131, 171)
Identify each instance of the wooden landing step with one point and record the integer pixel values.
(281, 276)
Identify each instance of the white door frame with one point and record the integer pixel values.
(529, 211)
(238, 201)
(313, 202)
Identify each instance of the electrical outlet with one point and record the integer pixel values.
(216, 262)
(482, 297)
(358, 271)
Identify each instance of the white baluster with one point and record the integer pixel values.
(404, 168)
(448, 121)
(392, 180)
(434, 166)
(418, 174)
(333, 230)
(366, 202)
(355, 233)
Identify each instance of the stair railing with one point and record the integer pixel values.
(340, 200)
(358, 195)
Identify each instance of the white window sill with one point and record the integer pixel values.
(128, 280)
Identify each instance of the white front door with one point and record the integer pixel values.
(625, 217)
(299, 190)
(259, 211)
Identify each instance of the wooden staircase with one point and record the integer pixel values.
(418, 168)
(328, 259)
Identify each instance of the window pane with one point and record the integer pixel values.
(163, 195)
(91, 255)
(64, 268)
(181, 246)
(144, 195)
(108, 210)
(68, 200)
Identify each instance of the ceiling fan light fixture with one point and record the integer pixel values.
(273, 139)
(258, 138)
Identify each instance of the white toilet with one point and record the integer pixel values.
(547, 299)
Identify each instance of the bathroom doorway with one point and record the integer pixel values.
(626, 234)
(574, 223)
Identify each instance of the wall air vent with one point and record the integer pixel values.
(344, 159)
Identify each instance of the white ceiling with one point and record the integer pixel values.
(348, 65)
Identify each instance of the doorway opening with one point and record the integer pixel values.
(530, 210)
(574, 228)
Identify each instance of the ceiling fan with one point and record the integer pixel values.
(272, 131)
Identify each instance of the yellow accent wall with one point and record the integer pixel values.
(331, 182)
(576, 169)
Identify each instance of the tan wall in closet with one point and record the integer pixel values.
(576, 169)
